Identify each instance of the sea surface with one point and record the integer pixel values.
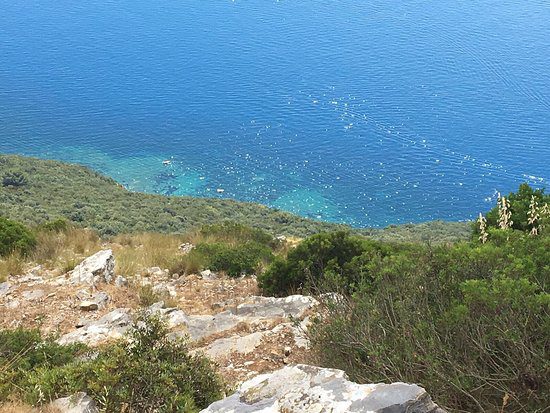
(362, 112)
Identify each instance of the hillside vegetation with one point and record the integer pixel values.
(150, 372)
(35, 191)
(470, 321)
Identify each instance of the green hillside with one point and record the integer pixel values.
(34, 191)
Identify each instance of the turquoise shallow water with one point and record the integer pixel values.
(363, 112)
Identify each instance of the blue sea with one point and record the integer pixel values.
(362, 112)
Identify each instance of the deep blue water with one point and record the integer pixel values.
(364, 112)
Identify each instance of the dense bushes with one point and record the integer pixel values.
(14, 179)
(227, 247)
(57, 225)
(15, 237)
(470, 322)
(319, 259)
(520, 202)
(472, 350)
(75, 193)
(147, 373)
(235, 260)
(24, 351)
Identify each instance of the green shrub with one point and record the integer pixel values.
(147, 373)
(234, 260)
(15, 237)
(190, 263)
(57, 225)
(469, 322)
(310, 260)
(147, 296)
(23, 351)
(519, 206)
(14, 179)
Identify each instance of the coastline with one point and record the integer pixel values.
(89, 198)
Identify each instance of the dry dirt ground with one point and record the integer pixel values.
(54, 309)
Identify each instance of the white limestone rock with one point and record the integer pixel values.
(112, 325)
(13, 304)
(30, 279)
(33, 295)
(223, 347)
(95, 302)
(156, 272)
(77, 403)
(121, 281)
(173, 316)
(186, 248)
(307, 389)
(5, 288)
(88, 305)
(199, 326)
(164, 290)
(208, 275)
(258, 309)
(95, 269)
(270, 307)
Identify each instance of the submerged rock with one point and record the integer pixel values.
(307, 389)
(97, 268)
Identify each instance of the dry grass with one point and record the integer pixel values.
(60, 251)
(228, 237)
(19, 407)
(187, 264)
(134, 253)
(63, 250)
(196, 237)
(13, 264)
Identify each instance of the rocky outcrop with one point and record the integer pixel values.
(4, 288)
(78, 403)
(307, 389)
(95, 302)
(172, 316)
(208, 275)
(291, 306)
(259, 308)
(235, 344)
(95, 269)
(111, 326)
(117, 322)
